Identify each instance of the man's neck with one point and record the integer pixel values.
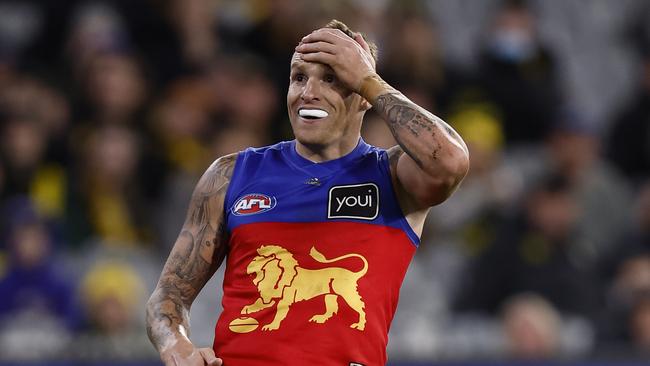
(320, 153)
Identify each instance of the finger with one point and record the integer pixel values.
(209, 357)
(174, 361)
(316, 47)
(360, 40)
(320, 57)
(319, 37)
(336, 33)
(326, 35)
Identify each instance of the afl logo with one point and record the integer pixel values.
(252, 204)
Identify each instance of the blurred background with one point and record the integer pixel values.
(111, 110)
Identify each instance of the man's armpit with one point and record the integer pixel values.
(405, 200)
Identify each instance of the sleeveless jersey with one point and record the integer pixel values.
(317, 255)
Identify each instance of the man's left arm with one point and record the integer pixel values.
(432, 159)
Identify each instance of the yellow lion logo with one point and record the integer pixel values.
(280, 280)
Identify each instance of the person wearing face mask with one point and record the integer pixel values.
(518, 74)
(317, 232)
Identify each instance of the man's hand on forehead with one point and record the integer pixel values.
(349, 58)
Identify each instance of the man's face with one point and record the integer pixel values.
(321, 109)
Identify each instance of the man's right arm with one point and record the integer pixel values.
(196, 255)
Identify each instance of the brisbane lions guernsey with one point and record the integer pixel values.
(317, 255)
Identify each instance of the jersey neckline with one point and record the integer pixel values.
(324, 167)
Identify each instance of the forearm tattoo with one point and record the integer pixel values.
(418, 132)
(197, 253)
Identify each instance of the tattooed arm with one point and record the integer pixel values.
(431, 159)
(196, 255)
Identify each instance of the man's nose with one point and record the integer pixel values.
(311, 90)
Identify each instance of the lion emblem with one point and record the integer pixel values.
(282, 282)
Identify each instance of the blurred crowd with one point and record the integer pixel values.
(111, 110)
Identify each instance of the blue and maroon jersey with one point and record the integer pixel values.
(317, 255)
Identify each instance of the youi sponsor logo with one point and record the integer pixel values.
(355, 201)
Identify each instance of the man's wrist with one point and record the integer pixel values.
(372, 86)
(181, 346)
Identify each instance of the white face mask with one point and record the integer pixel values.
(514, 45)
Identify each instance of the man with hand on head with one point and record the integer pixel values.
(318, 232)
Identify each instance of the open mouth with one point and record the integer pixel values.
(312, 113)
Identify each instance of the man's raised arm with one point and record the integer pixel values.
(436, 158)
(196, 255)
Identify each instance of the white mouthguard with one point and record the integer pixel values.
(315, 113)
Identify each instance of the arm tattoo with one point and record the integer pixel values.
(419, 133)
(197, 253)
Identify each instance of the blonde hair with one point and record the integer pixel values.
(337, 24)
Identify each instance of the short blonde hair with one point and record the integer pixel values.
(337, 24)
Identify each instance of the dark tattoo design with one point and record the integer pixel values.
(402, 116)
(197, 253)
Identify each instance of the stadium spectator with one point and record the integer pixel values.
(623, 323)
(603, 195)
(112, 296)
(533, 253)
(639, 324)
(635, 240)
(115, 90)
(38, 303)
(519, 74)
(110, 205)
(24, 144)
(490, 189)
(629, 135)
(532, 327)
(413, 58)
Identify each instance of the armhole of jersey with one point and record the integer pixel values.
(402, 219)
(234, 180)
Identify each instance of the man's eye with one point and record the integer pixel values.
(329, 78)
(299, 77)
